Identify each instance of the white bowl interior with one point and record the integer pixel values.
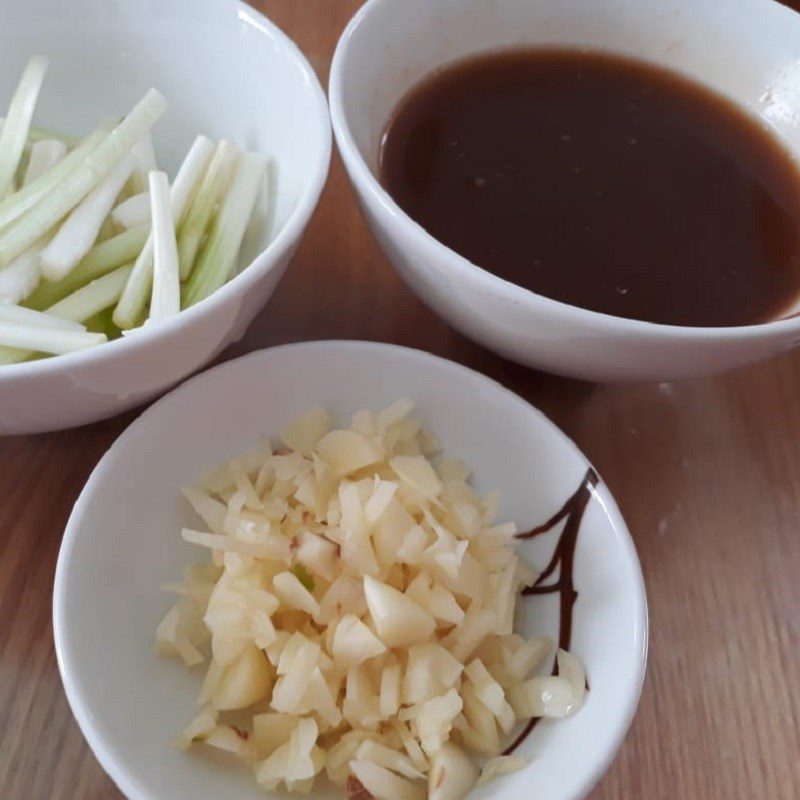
(210, 61)
(123, 541)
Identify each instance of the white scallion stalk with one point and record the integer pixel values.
(13, 355)
(99, 261)
(134, 298)
(218, 257)
(44, 156)
(166, 298)
(79, 231)
(37, 319)
(25, 230)
(28, 196)
(19, 278)
(107, 230)
(36, 134)
(133, 211)
(204, 203)
(96, 296)
(18, 121)
(87, 301)
(46, 340)
(145, 156)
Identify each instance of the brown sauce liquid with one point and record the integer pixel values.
(602, 182)
(563, 557)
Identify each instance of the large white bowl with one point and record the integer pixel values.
(123, 540)
(749, 50)
(226, 71)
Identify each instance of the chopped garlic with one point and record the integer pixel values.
(359, 604)
(501, 765)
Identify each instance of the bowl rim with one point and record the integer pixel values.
(267, 260)
(365, 180)
(124, 778)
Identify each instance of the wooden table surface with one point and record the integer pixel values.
(707, 473)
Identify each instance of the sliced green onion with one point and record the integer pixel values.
(19, 278)
(13, 355)
(218, 257)
(145, 157)
(46, 340)
(107, 230)
(80, 306)
(92, 298)
(36, 319)
(21, 233)
(99, 261)
(97, 323)
(204, 203)
(79, 231)
(44, 156)
(18, 203)
(36, 134)
(166, 298)
(133, 211)
(18, 121)
(134, 299)
(102, 323)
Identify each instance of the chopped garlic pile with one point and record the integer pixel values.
(356, 617)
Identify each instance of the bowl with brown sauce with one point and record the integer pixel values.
(606, 191)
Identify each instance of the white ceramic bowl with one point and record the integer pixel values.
(226, 71)
(749, 50)
(122, 541)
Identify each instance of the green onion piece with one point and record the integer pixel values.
(99, 261)
(18, 203)
(44, 156)
(144, 155)
(204, 203)
(79, 231)
(36, 134)
(36, 319)
(108, 230)
(166, 298)
(218, 257)
(18, 121)
(130, 308)
(101, 322)
(46, 340)
(80, 306)
(25, 230)
(19, 278)
(13, 355)
(92, 298)
(43, 134)
(133, 211)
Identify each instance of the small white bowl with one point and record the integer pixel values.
(749, 50)
(122, 541)
(227, 72)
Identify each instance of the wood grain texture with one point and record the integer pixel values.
(707, 473)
